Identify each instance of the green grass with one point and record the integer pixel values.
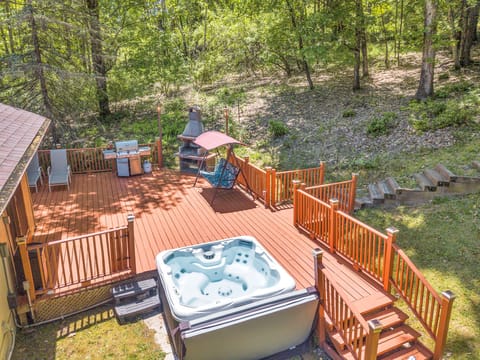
(442, 239)
(91, 335)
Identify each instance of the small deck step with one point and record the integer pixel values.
(130, 310)
(424, 183)
(389, 318)
(375, 194)
(393, 184)
(436, 178)
(416, 351)
(393, 339)
(447, 174)
(374, 303)
(134, 289)
(388, 192)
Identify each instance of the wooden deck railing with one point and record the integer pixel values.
(431, 309)
(90, 159)
(343, 191)
(83, 259)
(360, 337)
(251, 176)
(282, 182)
(377, 255)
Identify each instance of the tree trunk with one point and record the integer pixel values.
(455, 35)
(400, 32)
(304, 62)
(469, 24)
(385, 38)
(363, 36)
(98, 60)
(39, 72)
(356, 66)
(425, 87)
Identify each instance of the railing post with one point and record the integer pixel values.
(319, 284)
(273, 188)
(371, 347)
(322, 173)
(268, 180)
(388, 257)
(446, 310)
(27, 268)
(159, 152)
(353, 190)
(131, 242)
(296, 186)
(247, 170)
(332, 230)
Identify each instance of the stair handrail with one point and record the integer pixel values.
(360, 336)
(431, 309)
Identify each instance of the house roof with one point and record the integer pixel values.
(20, 135)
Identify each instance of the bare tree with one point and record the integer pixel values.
(425, 87)
(98, 59)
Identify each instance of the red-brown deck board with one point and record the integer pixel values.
(170, 213)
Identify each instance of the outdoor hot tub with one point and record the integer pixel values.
(217, 296)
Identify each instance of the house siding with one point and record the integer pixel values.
(7, 324)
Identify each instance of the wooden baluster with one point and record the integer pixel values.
(319, 284)
(296, 204)
(332, 230)
(371, 347)
(445, 311)
(268, 184)
(388, 257)
(131, 242)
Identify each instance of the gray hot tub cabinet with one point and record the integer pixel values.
(252, 331)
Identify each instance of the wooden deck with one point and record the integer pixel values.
(170, 213)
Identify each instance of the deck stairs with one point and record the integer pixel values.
(431, 183)
(135, 298)
(397, 340)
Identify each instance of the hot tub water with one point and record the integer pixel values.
(228, 272)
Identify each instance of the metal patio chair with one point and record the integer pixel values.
(34, 173)
(59, 170)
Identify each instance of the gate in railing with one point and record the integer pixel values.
(377, 255)
(83, 259)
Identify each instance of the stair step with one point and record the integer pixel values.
(447, 174)
(393, 339)
(337, 341)
(424, 183)
(374, 303)
(388, 192)
(134, 289)
(130, 310)
(436, 178)
(393, 184)
(416, 351)
(363, 202)
(388, 318)
(476, 164)
(375, 194)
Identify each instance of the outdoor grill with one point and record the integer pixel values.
(128, 156)
(189, 153)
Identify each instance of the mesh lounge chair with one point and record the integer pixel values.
(34, 173)
(59, 171)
